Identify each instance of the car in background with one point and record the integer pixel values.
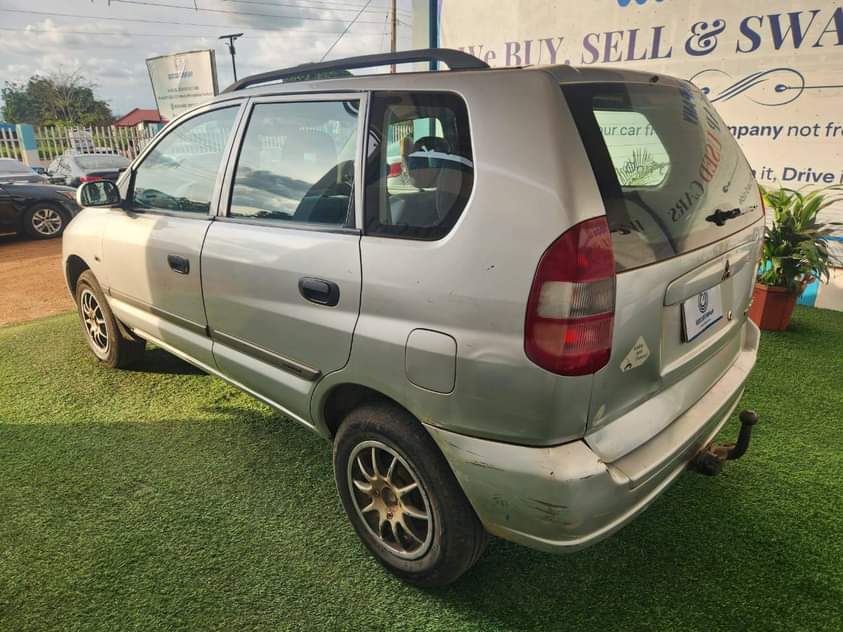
(12, 170)
(35, 209)
(73, 169)
(41, 171)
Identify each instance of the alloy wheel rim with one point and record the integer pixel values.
(94, 321)
(390, 500)
(46, 221)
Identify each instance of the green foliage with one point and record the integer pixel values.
(59, 99)
(795, 249)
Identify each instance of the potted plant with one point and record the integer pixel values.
(795, 253)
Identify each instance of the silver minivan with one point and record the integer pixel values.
(514, 300)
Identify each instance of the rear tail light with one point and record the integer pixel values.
(394, 170)
(571, 308)
(90, 178)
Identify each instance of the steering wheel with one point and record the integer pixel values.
(432, 143)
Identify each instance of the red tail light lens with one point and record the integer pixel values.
(394, 170)
(571, 308)
(90, 178)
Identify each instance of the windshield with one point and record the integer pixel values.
(101, 162)
(670, 173)
(8, 166)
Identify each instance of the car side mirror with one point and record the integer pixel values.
(98, 193)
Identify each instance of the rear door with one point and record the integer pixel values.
(686, 220)
(281, 263)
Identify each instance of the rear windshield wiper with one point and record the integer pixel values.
(721, 217)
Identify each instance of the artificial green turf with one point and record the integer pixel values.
(164, 499)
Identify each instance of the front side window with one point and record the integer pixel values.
(297, 163)
(420, 167)
(180, 172)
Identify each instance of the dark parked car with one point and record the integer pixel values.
(12, 170)
(39, 210)
(74, 169)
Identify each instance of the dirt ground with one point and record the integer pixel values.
(31, 280)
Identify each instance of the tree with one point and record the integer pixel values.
(62, 98)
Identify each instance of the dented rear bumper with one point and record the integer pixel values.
(563, 498)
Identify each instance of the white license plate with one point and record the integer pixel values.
(701, 312)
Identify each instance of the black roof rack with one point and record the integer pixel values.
(454, 59)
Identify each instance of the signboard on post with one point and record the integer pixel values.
(182, 80)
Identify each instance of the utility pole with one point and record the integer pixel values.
(393, 30)
(231, 37)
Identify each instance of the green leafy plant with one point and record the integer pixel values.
(795, 249)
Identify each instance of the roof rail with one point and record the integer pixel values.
(454, 59)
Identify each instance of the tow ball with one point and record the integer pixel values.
(710, 459)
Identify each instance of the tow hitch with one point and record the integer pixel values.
(710, 459)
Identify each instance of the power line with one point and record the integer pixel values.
(167, 22)
(123, 34)
(96, 33)
(336, 41)
(312, 5)
(163, 5)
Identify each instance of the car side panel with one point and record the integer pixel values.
(137, 248)
(532, 182)
(83, 238)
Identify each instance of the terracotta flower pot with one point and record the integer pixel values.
(772, 307)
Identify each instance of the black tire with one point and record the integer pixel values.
(457, 538)
(112, 344)
(44, 220)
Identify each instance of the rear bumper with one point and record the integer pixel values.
(563, 498)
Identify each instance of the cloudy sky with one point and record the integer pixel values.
(108, 40)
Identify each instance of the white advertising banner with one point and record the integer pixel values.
(182, 80)
(773, 68)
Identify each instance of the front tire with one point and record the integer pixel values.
(402, 497)
(108, 340)
(44, 221)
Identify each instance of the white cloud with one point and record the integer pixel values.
(116, 63)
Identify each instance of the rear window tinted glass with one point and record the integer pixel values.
(420, 167)
(636, 151)
(101, 162)
(670, 173)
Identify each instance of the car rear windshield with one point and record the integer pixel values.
(670, 173)
(102, 162)
(13, 166)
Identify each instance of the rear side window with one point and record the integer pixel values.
(297, 163)
(670, 173)
(420, 168)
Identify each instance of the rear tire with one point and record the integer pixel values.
(109, 341)
(44, 221)
(389, 473)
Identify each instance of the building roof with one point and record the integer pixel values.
(138, 115)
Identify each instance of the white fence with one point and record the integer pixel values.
(54, 141)
(9, 143)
